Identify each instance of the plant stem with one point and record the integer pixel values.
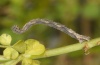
(14, 62)
(69, 48)
(2, 46)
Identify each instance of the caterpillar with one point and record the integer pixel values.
(58, 26)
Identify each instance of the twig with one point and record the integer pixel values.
(69, 48)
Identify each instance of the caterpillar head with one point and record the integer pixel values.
(16, 29)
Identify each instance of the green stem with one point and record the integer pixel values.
(14, 62)
(2, 46)
(69, 48)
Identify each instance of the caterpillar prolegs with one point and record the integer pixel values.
(58, 26)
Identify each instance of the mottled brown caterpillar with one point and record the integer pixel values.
(50, 23)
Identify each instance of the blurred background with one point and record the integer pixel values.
(83, 16)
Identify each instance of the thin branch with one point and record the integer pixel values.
(69, 48)
(3, 46)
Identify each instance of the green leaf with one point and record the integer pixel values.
(10, 53)
(28, 61)
(34, 47)
(36, 62)
(20, 46)
(5, 39)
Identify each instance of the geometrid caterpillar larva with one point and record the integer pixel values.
(50, 23)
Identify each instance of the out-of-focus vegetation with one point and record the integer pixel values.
(83, 16)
